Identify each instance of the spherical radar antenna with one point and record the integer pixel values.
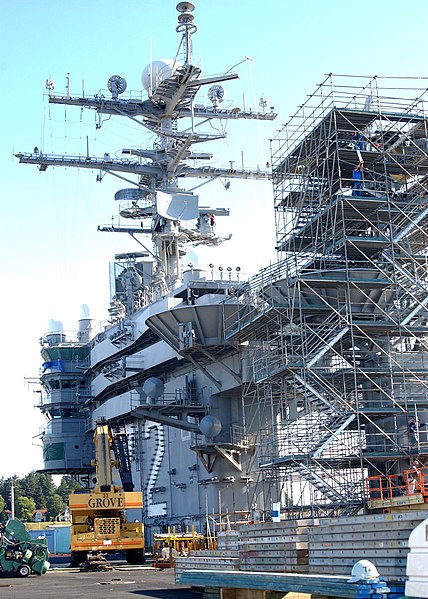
(216, 94)
(153, 387)
(210, 426)
(116, 85)
(156, 72)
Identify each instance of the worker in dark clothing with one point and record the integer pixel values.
(414, 428)
(358, 139)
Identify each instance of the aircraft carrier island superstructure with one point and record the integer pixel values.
(297, 386)
(163, 370)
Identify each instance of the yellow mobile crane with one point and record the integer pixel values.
(98, 520)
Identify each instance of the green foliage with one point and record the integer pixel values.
(67, 485)
(24, 508)
(39, 487)
(55, 505)
(35, 491)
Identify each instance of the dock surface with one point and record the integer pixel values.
(122, 582)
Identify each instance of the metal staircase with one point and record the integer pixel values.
(156, 432)
(335, 427)
(321, 483)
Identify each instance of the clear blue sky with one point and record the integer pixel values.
(53, 260)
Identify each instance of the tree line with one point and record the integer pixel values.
(36, 491)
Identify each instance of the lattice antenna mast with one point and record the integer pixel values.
(187, 28)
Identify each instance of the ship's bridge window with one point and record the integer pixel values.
(54, 384)
(66, 413)
(63, 384)
(55, 413)
(53, 451)
(69, 384)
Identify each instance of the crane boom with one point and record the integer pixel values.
(103, 462)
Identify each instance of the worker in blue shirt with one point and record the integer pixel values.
(357, 179)
(358, 139)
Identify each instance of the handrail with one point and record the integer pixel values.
(408, 483)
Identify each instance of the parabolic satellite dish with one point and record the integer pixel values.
(116, 85)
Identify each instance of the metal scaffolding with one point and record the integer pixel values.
(336, 331)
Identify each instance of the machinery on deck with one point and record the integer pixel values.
(98, 519)
(19, 553)
(167, 546)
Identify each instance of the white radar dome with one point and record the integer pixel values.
(84, 311)
(55, 326)
(156, 72)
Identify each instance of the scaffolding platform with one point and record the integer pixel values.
(336, 331)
